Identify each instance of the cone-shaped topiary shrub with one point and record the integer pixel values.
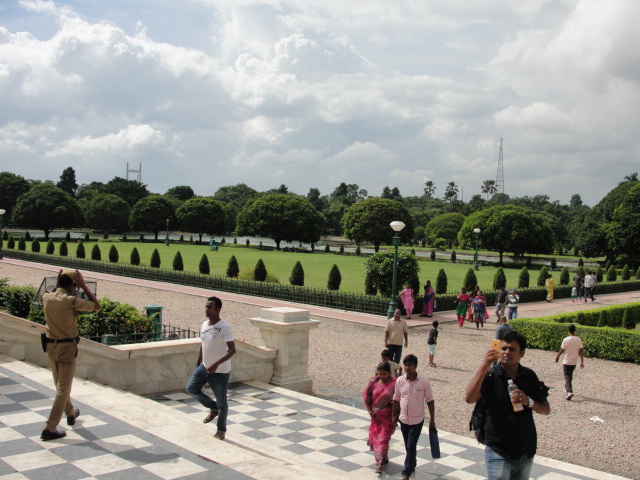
(63, 251)
(80, 253)
(114, 256)
(335, 278)
(155, 259)
(297, 275)
(523, 278)
(134, 258)
(441, 282)
(178, 264)
(95, 253)
(203, 266)
(260, 272)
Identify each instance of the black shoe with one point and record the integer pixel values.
(71, 420)
(47, 435)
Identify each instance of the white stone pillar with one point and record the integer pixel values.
(286, 330)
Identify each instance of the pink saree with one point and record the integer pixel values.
(379, 399)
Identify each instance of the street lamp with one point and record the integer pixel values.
(166, 240)
(475, 258)
(397, 227)
(2, 212)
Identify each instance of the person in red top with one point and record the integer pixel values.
(412, 391)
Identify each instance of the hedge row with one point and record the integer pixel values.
(608, 343)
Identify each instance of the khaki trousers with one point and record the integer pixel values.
(62, 357)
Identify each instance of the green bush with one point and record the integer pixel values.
(27, 236)
(440, 243)
(326, 248)
(612, 275)
(637, 273)
(341, 249)
(453, 256)
(433, 255)
(134, 258)
(603, 319)
(105, 236)
(17, 300)
(528, 262)
(441, 284)
(51, 248)
(63, 251)
(523, 278)
(22, 244)
(358, 251)
(581, 271)
(248, 243)
(114, 256)
(11, 243)
(124, 237)
(627, 321)
(564, 276)
(178, 264)
(96, 254)
(380, 267)
(369, 287)
(499, 279)
(553, 264)
(67, 237)
(542, 276)
(35, 246)
(5, 235)
(626, 273)
(87, 237)
(114, 318)
(297, 275)
(203, 266)
(235, 241)
(155, 259)
(232, 267)
(580, 262)
(141, 239)
(181, 238)
(470, 280)
(80, 253)
(335, 278)
(607, 265)
(260, 271)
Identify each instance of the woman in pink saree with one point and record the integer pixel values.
(378, 399)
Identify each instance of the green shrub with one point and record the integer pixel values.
(358, 251)
(155, 259)
(5, 235)
(581, 271)
(433, 255)
(232, 267)
(335, 278)
(223, 241)
(626, 273)
(612, 275)
(124, 237)
(22, 244)
(248, 243)
(297, 275)
(627, 321)
(453, 256)
(553, 264)
(11, 244)
(105, 236)
(178, 264)
(203, 266)
(326, 248)
(341, 249)
(470, 280)
(63, 251)
(114, 318)
(440, 243)
(580, 262)
(523, 278)
(637, 273)
(235, 241)
(51, 247)
(27, 236)
(80, 253)
(134, 258)
(87, 237)
(17, 300)
(607, 265)
(260, 271)
(499, 279)
(95, 253)
(181, 238)
(35, 246)
(542, 276)
(141, 239)
(369, 287)
(114, 256)
(528, 262)
(67, 237)
(380, 266)
(564, 276)
(441, 283)
(603, 320)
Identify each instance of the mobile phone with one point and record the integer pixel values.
(495, 344)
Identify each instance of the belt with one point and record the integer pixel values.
(64, 340)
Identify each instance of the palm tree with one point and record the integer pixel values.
(451, 193)
(631, 178)
(429, 188)
(489, 187)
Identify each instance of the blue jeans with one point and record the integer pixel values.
(501, 468)
(396, 353)
(218, 383)
(513, 313)
(411, 435)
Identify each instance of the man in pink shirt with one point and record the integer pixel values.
(411, 393)
(572, 348)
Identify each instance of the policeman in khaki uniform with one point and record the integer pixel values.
(61, 309)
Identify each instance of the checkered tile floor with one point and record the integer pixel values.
(97, 447)
(285, 422)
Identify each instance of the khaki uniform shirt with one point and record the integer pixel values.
(396, 329)
(61, 313)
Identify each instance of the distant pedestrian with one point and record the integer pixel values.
(479, 304)
(589, 286)
(501, 302)
(463, 301)
(572, 349)
(428, 300)
(407, 300)
(395, 332)
(548, 284)
(503, 328)
(578, 282)
(574, 294)
(512, 303)
(432, 341)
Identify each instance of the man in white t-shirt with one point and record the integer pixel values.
(214, 365)
(573, 349)
(589, 286)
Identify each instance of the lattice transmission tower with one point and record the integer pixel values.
(500, 174)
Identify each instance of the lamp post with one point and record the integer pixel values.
(2, 212)
(475, 258)
(166, 239)
(397, 227)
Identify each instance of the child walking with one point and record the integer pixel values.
(432, 341)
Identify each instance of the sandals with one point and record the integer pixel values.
(212, 414)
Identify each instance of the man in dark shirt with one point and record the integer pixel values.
(510, 436)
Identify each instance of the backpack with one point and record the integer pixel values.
(479, 414)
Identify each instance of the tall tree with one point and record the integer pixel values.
(46, 207)
(280, 217)
(444, 226)
(11, 187)
(429, 188)
(150, 214)
(181, 192)
(107, 212)
(368, 221)
(68, 182)
(489, 188)
(318, 202)
(450, 193)
(131, 191)
(202, 215)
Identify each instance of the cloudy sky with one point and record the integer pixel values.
(306, 93)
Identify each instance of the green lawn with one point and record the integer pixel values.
(316, 265)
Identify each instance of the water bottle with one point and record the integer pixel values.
(517, 407)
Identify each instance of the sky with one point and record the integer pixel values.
(209, 93)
